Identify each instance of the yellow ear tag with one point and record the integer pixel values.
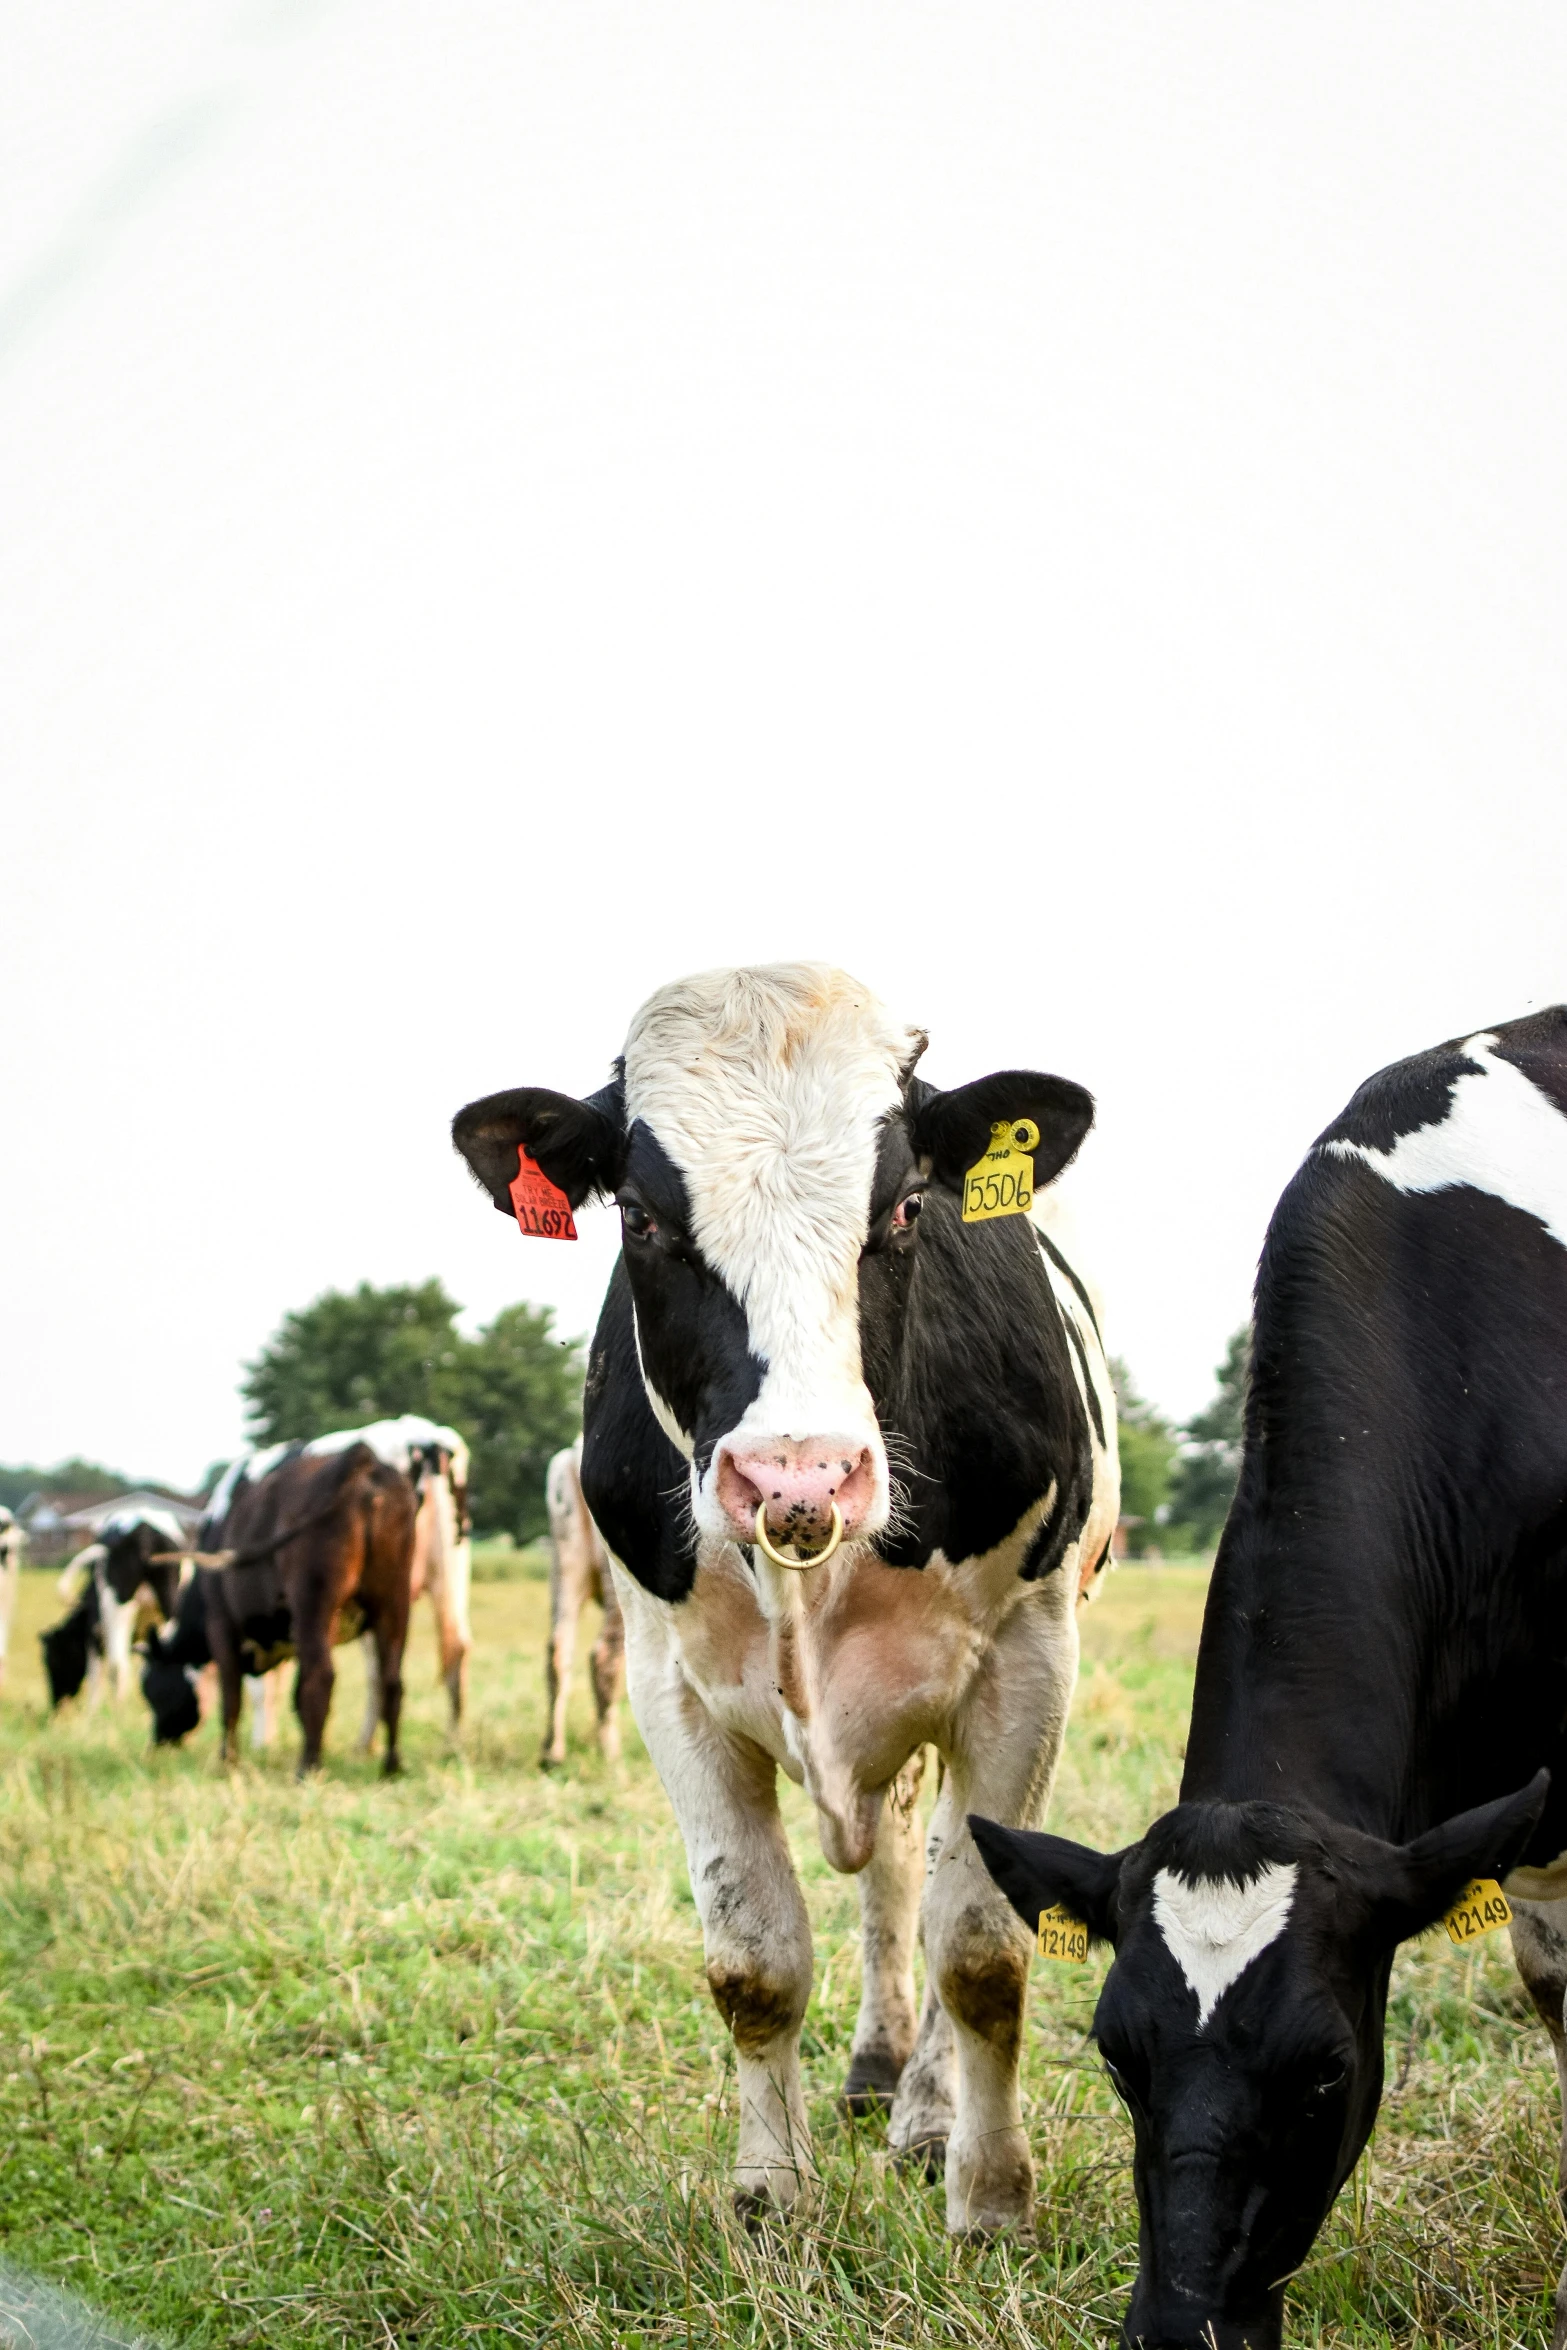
(1479, 1909)
(1003, 1182)
(1062, 1936)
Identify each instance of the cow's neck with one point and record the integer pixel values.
(1369, 1648)
(978, 1396)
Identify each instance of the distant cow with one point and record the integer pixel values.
(854, 1459)
(579, 1571)
(129, 1572)
(432, 1461)
(12, 1543)
(321, 1549)
(1381, 1687)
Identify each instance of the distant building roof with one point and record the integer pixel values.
(123, 1505)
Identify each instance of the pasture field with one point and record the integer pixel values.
(433, 2062)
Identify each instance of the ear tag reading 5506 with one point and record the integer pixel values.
(1062, 1936)
(1479, 1909)
(1003, 1182)
(543, 1211)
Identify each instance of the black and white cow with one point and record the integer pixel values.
(132, 1570)
(1381, 1699)
(801, 1336)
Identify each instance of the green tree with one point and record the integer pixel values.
(1147, 1447)
(349, 1357)
(352, 1356)
(1203, 1481)
(515, 1391)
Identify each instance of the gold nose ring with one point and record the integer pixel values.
(798, 1565)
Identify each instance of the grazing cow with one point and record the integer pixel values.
(124, 1576)
(434, 1461)
(579, 1571)
(320, 1548)
(13, 1541)
(854, 1460)
(1381, 1688)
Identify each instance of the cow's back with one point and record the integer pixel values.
(1396, 1557)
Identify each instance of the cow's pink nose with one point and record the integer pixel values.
(799, 1480)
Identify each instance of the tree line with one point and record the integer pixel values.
(1177, 1482)
(353, 1356)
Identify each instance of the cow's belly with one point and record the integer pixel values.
(841, 1678)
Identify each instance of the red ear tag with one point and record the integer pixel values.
(543, 1210)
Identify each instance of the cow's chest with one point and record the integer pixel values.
(841, 1674)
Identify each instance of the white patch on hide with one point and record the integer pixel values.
(395, 1442)
(1501, 1135)
(162, 1522)
(1214, 1929)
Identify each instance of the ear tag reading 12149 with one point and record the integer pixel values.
(1479, 1909)
(1003, 1182)
(1062, 1936)
(542, 1208)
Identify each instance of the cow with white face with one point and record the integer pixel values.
(854, 1460)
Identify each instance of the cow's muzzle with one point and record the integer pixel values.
(804, 1494)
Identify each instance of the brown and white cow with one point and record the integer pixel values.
(579, 1572)
(322, 1548)
(854, 1458)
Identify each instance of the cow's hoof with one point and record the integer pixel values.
(873, 2079)
(551, 1762)
(392, 1768)
(754, 2211)
(925, 2158)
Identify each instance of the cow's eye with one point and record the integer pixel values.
(1122, 2086)
(635, 1220)
(907, 1211)
(1330, 2082)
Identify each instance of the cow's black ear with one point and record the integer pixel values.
(580, 1145)
(951, 1131)
(1047, 1872)
(1424, 1879)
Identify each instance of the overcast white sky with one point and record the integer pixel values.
(1058, 508)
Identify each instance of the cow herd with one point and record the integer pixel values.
(302, 1546)
(848, 1475)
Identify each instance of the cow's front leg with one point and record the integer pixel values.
(756, 1934)
(884, 2030)
(1539, 1932)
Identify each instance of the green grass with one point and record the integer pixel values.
(433, 2062)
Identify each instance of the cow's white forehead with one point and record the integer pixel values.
(1214, 1928)
(767, 1088)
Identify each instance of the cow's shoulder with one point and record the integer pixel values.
(634, 1480)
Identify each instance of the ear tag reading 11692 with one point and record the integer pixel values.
(1003, 1182)
(1479, 1909)
(1062, 1936)
(543, 1211)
